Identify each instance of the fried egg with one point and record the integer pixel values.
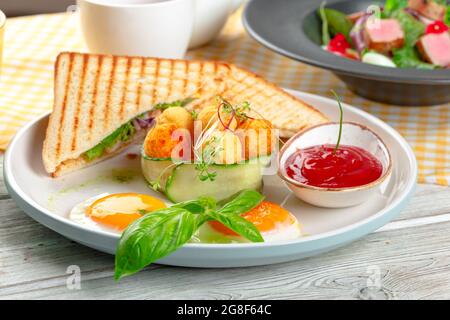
(273, 222)
(114, 211)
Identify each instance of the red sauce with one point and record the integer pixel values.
(319, 166)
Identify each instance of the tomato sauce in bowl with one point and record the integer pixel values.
(323, 177)
(323, 166)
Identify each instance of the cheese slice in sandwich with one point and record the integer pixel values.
(103, 103)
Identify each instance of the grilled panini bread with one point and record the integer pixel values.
(287, 113)
(94, 95)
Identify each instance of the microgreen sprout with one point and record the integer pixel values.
(156, 184)
(194, 115)
(238, 111)
(206, 159)
(341, 118)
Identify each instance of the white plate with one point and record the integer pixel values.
(49, 200)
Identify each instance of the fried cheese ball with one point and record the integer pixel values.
(162, 140)
(226, 145)
(256, 137)
(208, 116)
(178, 116)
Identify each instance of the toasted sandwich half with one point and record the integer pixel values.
(103, 103)
(287, 113)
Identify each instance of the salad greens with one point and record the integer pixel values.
(325, 32)
(123, 133)
(408, 57)
(157, 234)
(393, 5)
(178, 103)
(412, 28)
(447, 16)
(411, 47)
(338, 23)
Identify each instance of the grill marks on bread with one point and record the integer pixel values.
(155, 81)
(64, 103)
(84, 66)
(139, 84)
(124, 91)
(109, 91)
(94, 94)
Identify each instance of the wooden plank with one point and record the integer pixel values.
(428, 200)
(3, 192)
(413, 263)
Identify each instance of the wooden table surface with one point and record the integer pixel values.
(407, 259)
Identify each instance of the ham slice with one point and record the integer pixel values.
(383, 35)
(435, 48)
(428, 8)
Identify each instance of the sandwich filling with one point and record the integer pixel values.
(128, 130)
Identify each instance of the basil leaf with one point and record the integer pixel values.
(338, 23)
(241, 202)
(153, 237)
(238, 224)
(408, 57)
(412, 28)
(229, 214)
(198, 206)
(159, 233)
(325, 31)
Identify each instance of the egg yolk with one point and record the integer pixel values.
(119, 210)
(266, 216)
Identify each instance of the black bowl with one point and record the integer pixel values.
(292, 28)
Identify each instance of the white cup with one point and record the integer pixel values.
(154, 28)
(210, 17)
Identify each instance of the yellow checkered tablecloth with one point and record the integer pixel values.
(32, 43)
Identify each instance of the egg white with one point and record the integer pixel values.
(78, 213)
(283, 232)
